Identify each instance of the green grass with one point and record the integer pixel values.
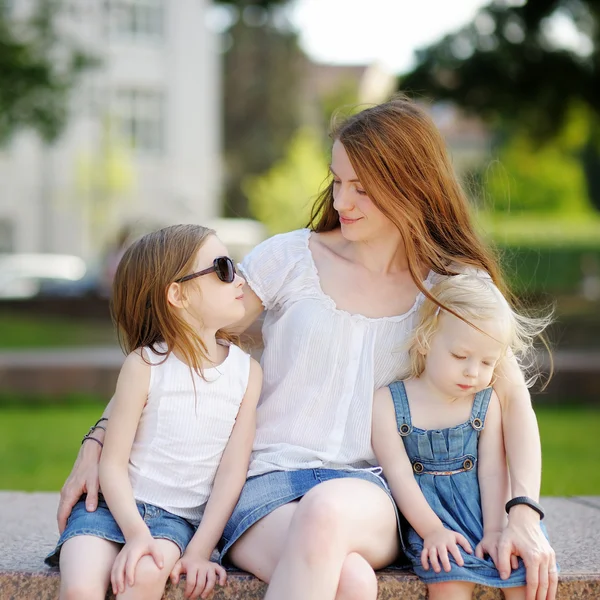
(20, 331)
(38, 447)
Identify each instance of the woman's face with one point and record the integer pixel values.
(360, 219)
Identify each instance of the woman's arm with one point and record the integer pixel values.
(492, 474)
(391, 455)
(523, 535)
(83, 477)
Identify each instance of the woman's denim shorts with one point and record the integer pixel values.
(100, 523)
(262, 494)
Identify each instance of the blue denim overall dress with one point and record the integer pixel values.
(445, 466)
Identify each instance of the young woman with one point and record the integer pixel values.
(183, 419)
(340, 298)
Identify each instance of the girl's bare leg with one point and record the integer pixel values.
(451, 590)
(330, 541)
(85, 565)
(150, 581)
(516, 593)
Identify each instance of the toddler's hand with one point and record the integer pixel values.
(489, 545)
(436, 546)
(123, 570)
(201, 575)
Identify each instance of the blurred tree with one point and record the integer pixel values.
(263, 67)
(524, 62)
(527, 179)
(282, 197)
(39, 66)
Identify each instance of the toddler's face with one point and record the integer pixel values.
(461, 359)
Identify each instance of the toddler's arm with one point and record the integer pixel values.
(492, 472)
(391, 455)
(229, 480)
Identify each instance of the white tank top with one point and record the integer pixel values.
(181, 435)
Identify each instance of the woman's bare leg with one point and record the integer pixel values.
(333, 538)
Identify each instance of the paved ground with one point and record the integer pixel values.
(28, 532)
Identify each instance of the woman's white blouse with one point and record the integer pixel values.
(321, 365)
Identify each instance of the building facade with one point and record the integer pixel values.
(142, 146)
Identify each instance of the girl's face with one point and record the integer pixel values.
(209, 302)
(360, 219)
(461, 360)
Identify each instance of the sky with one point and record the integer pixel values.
(384, 31)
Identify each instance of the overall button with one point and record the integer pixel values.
(477, 423)
(468, 464)
(404, 429)
(418, 467)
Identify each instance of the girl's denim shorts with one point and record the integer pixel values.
(262, 494)
(100, 523)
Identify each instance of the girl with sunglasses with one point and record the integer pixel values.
(176, 450)
(315, 517)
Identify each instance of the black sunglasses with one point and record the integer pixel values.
(223, 266)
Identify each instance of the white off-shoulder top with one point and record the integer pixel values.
(321, 365)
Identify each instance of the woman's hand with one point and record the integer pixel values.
(436, 546)
(201, 575)
(523, 537)
(82, 479)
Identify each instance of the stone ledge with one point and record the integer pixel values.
(28, 533)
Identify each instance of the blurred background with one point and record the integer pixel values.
(121, 116)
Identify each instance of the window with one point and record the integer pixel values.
(140, 115)
(137, 18)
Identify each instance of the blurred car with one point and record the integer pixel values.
(32, 275)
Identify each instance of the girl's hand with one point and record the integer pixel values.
(489, 545)
(436, 546)
(201, 575)
(123, 571)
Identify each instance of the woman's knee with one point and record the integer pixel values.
(318, 523)
(357, 580)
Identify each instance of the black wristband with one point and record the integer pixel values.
(527, 501)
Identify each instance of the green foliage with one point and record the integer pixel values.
(530, 178)
(282, 197)
(20, 331)
(570, 454)
(503, 66)
(39, 67)
(38, 447)
(262, 78)
(545, 253)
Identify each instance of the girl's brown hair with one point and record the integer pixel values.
(401, 161)
(139, 305)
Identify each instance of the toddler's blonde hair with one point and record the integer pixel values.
(474, 297)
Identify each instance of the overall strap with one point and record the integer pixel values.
(403, 420)
(480, 408)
